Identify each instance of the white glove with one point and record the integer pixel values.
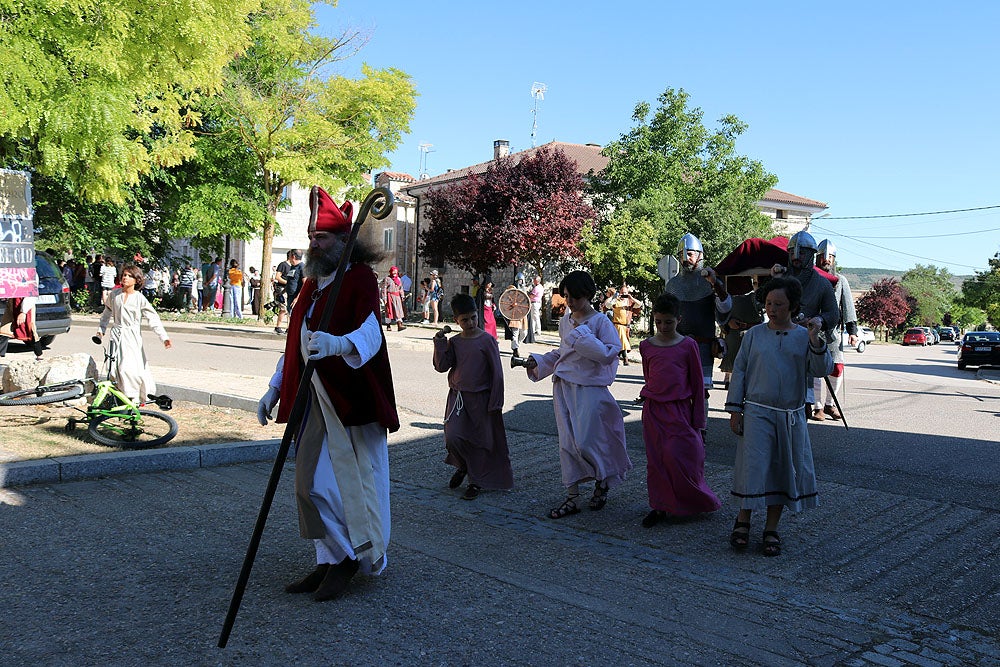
(322, 345)
(266, 405)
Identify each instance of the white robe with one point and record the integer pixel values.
(369, 441)
(134, 378)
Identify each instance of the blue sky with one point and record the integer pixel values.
(874, 108)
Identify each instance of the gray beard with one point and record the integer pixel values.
(321, 264)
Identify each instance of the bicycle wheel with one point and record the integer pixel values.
(53, 393)
(129, 431)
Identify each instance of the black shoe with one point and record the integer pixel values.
(278, 331)
(654, 517)
(456, 479)
(471, 492)
(336, 580)
(310, 582)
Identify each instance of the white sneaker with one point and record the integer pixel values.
(426, 322)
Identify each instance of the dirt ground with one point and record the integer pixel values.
(38, 432)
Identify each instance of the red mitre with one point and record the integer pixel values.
(324, 216)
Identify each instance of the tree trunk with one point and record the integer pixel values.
(265, 262)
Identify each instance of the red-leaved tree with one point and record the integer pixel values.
(527, 211)
(884, 305)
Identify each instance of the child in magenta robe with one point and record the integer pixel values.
(673, 419)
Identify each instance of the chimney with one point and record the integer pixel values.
(501, 148)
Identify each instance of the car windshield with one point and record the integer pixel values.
(983, 337)
(916, 331)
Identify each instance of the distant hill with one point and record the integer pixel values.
(861, 280)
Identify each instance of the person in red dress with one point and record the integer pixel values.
(673, 419)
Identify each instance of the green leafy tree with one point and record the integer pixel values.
(215, 194)
(967, 317)
(932, 291)
(102, 92)
(298, 122)
(624, 250)
(884, 306)
(982, 292)
(671, 170)
(73, 226)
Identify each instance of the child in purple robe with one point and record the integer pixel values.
(590, 423)
(474, 432)
(673, 419)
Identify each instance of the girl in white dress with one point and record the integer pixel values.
(127, 308)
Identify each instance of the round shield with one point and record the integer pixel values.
(514, 303)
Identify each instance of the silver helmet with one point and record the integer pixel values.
(688, 243)
(827, 249)
(802, 246)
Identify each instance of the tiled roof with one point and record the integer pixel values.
(789, 198)
(586, 156)
(395, 176)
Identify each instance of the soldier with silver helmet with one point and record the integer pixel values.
(818, 298)
(704, 300)
(826, 258)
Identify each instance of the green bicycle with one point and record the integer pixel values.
(112, 418)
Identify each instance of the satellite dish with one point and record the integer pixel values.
(668, 267)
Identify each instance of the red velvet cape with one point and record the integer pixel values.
(360, 396)
(760, 254)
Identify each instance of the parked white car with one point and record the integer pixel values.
(865, 336)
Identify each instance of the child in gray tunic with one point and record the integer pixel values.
(766, 402)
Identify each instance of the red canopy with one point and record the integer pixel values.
(760, 254)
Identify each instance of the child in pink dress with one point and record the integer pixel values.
(673, 419)
(590, 423)
(474, 433)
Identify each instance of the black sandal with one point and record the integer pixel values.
(739, 539)
(568, 507)
(600, 497)
(772, 547)
(456, 479)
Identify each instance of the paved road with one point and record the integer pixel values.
(896, 567)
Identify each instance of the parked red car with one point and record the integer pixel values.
(915, 336)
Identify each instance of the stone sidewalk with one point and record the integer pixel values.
(138, 570)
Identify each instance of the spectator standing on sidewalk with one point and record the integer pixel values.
(235, 287)
(210, 279)
(109, 275)
(535, 295)
(186, 284)
(253, 289)
(289, 276)
(18, 322)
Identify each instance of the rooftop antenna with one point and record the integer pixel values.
(425, 148)
(538, 93)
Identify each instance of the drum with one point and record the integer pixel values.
(514, 304)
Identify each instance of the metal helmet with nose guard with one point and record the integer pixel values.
(689, 242)
(802, 247)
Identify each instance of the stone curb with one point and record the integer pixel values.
(89, 466)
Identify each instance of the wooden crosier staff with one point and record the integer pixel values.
(378, 203)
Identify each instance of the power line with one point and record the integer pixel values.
(931, 236)
(908, 215)
(898, 252)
